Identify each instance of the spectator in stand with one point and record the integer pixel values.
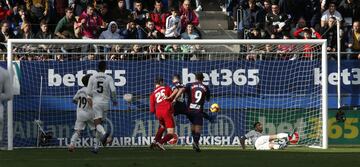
(121, 15)
(5, 11)
(331, 12)
(17, 18)
(350, 11)
(188, 16)
(26, 32)
(150, 32)
(112, 32)
(267, 6)
(80, 5)
(39, 10)
(44, 32)
(158, 16)
(329, 32)
(59, 7)
(254, 33)
(190, 33)
(176, 52)
(89, 23)
(131, 32)
(140, 14)
(312, 12)
(65, 27)
(277, 23)
(352, 41)
(88, 27)
(5, 34)
(253, 17)
(173, 25)
(105, 14)
(307, 33)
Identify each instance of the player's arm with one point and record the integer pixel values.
(173, 94)
(113, 91)
(90, 87)
(179, 93)
(7, 95)
(76, 98)
(152, 103)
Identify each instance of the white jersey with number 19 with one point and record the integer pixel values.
(100, 87)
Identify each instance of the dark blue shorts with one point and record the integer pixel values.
(180, 108)
(196, 117)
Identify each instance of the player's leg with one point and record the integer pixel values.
(159, 133)
(263, 143)
(96, 136)
(79, 126)
(170, 129)
(99, 112)
(279, 136)
(1, 122)
(196, 120)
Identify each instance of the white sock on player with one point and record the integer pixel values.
(1, 123)
(96, 139)
(74, 137)
(100, 129)
(276, 146)
(282, 135)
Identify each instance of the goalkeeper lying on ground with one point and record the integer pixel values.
(265, 142)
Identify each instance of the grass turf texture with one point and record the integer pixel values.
(182, 156)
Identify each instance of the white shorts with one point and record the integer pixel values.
(100, 110)
(262, 143)
(84, 118)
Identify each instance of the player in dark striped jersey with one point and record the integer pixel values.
(197, 93)
(179, 102)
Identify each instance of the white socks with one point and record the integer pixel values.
(74, 137)
(96, 139)
(100, 129)
(282, 136)
(1, 122)
(276, 146)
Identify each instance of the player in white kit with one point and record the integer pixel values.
(5, 95)
(84, 116)
(265, 142)
(101, 90)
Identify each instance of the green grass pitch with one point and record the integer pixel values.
(183, 156)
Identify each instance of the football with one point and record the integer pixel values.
(174, 140)
(128, 97)
(214, 108)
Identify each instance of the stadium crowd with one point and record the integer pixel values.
(174, 19)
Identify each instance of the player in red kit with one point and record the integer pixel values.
(161, 106)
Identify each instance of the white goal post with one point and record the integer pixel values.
(244, 99)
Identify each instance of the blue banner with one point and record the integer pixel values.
(251, 84)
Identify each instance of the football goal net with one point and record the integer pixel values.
(275, 82)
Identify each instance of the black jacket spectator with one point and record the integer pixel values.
(131, 32)
(329, 32)
(312, 12)
(253, 16)
(277, 23)
(350, 9)
(121, 15)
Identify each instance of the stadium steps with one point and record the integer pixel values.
(210, 20)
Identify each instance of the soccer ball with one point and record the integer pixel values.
(174, 140)
(214, 108)
(128, 97)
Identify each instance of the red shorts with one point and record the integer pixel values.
(166, 120)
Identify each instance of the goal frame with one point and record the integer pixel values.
(324, 66)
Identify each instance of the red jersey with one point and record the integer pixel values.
(157, 101)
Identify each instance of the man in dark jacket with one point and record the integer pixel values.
(277, 23)
(253, 17)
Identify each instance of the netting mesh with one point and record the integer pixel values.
(276, 84)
